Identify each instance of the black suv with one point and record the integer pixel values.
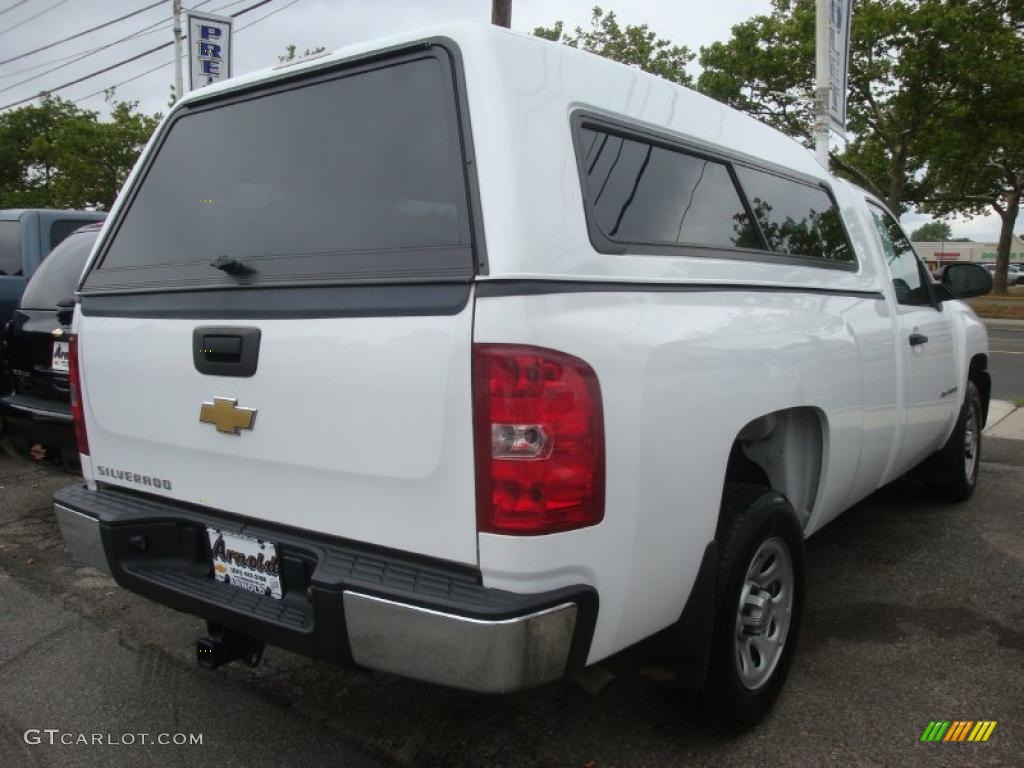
(37, 414)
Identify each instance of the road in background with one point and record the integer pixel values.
(914, 613)
(1006, 359)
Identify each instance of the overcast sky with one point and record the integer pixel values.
(306, 23)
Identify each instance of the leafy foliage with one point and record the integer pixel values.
(290, 54)
(766, 68)
(635, 45)
(978, 159)
(905, 59)
(56, 155)
(933, 231)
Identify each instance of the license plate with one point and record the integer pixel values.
(60, 356)
(245, 562)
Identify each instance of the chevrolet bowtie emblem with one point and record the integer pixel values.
(226, 416)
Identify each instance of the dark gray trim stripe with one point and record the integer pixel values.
(491, 288)
(400, 300)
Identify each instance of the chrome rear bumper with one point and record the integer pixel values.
(342, 601)
(457, 651)
(82, 537)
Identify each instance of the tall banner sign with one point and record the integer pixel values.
(209, 49)
(837, 40)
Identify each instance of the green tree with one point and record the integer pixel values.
(906, 57)
(978, 165)
(933, 231)
(99, 155)
(31, 136)
(56, 155)
(633, 44)
(766, 68)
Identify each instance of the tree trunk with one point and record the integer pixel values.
(501, 13)
(897, 181)
(1008, 215)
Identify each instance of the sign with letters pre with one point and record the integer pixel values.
(838, 42)
(209, 49)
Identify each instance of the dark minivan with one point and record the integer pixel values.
(37, 414)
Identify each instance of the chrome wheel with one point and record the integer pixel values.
(972, 439)
(764, 612)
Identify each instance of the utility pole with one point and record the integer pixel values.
(501, 13)
(176, 8)
(822, 83)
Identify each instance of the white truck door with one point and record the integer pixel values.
(925, 333)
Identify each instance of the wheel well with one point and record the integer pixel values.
(784, 451)
(978, 373)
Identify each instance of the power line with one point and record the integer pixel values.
(23, 22)
(156, 26)
(91, 75)
(149, 29)
(80, 34)
(12, 7)
(261, 18)
(168, 63)
(123, 82)
(75, 58)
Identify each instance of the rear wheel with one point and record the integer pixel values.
(758, 604)
(964, 451)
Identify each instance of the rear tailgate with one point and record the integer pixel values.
(337, 205)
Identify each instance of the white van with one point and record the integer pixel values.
(475, 358)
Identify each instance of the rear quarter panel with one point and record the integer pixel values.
(681, 373)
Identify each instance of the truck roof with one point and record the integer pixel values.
(520, 93)
(531, 66)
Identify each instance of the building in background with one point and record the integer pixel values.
(936, 254)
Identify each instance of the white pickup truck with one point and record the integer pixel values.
(475, 358)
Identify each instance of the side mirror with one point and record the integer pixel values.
(966, 280)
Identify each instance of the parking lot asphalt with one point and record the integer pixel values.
(1006, 359)
(915, 612)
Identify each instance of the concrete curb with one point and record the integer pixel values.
(1001, 322)
(1005, 420)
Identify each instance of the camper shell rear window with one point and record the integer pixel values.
(348, 176)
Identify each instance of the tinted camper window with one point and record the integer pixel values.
(796, 219)
(645, 193)
(355, 176)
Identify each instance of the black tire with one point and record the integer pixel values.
(751, 516)
(961, 475)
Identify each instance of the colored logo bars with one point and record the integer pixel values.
(958, 730)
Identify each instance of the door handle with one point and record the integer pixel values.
(917, 339)
(226, 351)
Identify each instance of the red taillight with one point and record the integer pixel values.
(539, 428)
(77, 410)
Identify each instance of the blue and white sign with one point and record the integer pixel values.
(209, 49)
(838, 61)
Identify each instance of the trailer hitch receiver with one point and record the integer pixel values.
(221, 646)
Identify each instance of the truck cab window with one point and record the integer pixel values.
(10, 247)
(904, 268)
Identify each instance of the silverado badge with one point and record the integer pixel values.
(226, 416)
